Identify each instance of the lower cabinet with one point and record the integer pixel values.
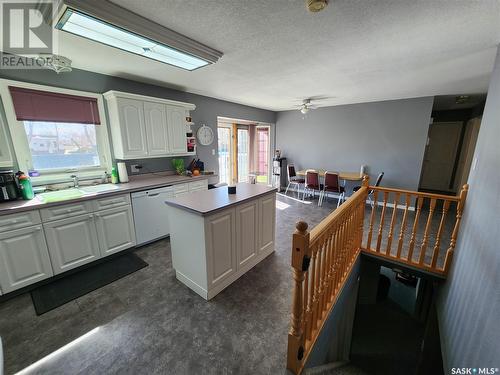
(267, 217)
(221, 240)
(115, 230)
(72, 242)
(247, 230)
(24, 258)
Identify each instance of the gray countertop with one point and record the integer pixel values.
(136, 183)
(210, 201)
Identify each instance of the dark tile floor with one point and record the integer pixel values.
(150, 323)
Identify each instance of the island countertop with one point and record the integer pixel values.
(210, 201)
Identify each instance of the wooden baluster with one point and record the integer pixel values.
(300, 245)
(336, 250)
(411, 245)
(361, 219)
(435, 252)
(328, 269)
(382, 219)
(403, 226)
(321, 279)
(313, 291)
(425, 241)
(453, 241)
(316, 289)
(372, 219)
(393, 222)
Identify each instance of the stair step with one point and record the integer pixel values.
(335, 368)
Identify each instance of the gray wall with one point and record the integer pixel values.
(469, 302)
(386, 136)
(207, 109)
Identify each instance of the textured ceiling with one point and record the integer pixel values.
(276, 53)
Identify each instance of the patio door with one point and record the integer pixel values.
(225, 154)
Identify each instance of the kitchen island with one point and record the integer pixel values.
(216, 237)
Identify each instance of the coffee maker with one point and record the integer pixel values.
(8, 186)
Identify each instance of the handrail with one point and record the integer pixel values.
(322, 258)
(321, 263)
(425, 252)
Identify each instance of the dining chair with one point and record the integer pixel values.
(312, 183)
(332, 185)
(370, 193)
(293, 179)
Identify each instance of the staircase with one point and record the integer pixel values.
(399, 230)
(336, 368)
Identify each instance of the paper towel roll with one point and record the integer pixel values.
(122, 172)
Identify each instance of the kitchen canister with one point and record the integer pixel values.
(122, 172)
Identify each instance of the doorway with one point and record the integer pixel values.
(451, 141)
(244, 151)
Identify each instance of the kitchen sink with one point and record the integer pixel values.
(60, 195)
(73, 193)
(98, 188)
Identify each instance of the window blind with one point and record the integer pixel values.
(36, 105)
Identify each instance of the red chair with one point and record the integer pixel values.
(293, 179)
(332, 185)
(312, 183)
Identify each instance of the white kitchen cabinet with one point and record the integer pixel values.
(181, 189)
(198, 185)
(246, 233)
(132, 129)
(147, 127)
(221, 244)
(267, 217)
(115, 230)
(24, 258)
(72, 242)
(5, 152)
(176, 117)
(156, 128)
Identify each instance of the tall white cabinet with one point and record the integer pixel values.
(147, 127)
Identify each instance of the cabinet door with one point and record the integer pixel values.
(115, 230)
(221, 241)
(156, 128)
(5, 153)
(246, 233)
(132, 129)
(267, 214)
(24, 258)
(72, 242)
(177, 129)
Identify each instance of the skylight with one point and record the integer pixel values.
(81, 24)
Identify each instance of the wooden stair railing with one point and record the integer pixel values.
(398, 243)
(321, 263)
(322, 258)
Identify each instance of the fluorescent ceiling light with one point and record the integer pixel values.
(100, 31)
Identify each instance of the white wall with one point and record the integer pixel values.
(386, 136)
(469, 302)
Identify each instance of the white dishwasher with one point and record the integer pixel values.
(151, 213)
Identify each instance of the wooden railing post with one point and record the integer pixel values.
(453, 242)
(300, 264)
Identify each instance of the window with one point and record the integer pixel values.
(243, 155)
(62, 145)
(263, 154)
(57, 132)
(224, 136)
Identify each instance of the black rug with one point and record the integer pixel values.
(50, 296)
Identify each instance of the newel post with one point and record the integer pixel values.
(300, 263)
(453, 242)
(366, 181)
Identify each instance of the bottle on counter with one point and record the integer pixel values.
(25, 186)
(114, 176)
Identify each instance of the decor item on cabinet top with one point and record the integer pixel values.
(191, 144)
(178, 165)
(196, 167)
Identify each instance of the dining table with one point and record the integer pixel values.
(345, 176)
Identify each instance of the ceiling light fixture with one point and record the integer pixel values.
(304, 109)
(110, 24)
(316, 5)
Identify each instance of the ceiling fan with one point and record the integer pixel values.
(307, 104)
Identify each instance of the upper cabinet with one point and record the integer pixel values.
(5, 153)
(147, 127)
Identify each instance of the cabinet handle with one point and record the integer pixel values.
(90, 216)
(153, 195)
(97, 215)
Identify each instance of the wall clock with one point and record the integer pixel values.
(205, 135)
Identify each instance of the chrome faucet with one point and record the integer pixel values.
(75, 180)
